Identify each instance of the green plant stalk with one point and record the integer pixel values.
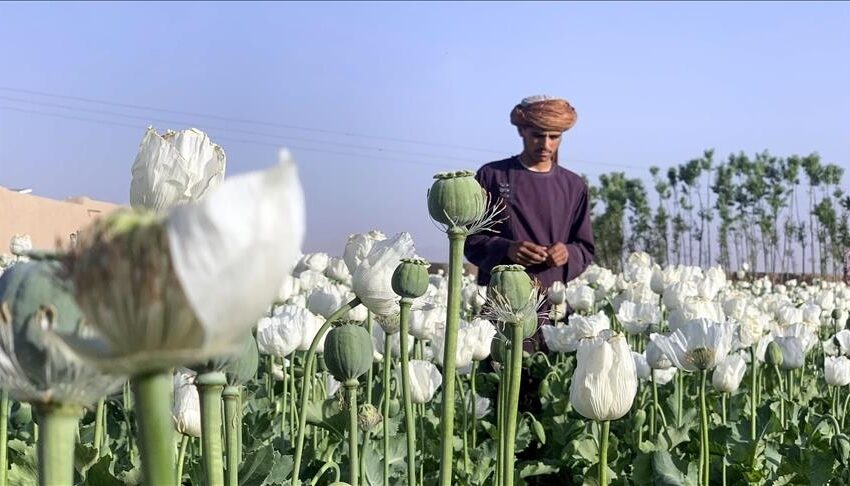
(370, 376)
(473, 394)
(4, 432)
(421, 420)
(56, 446)
(464, 422)
(284, 397)
(232, 424)
(385, 383)
(457, 236)
(98, 426)
(603, 453)
(210, 387)
(703, 408)
(354, 466)
(127, 398)
(652, 411)
(305, 384)
(328, 465)
(500, 418)
(270, 378)
(153, 404)
(753, 392)
(181, 458)
(723, 417)
(513, 402)
(680, 391)
(780, 386)
(410, 428)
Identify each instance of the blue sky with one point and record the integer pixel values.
(653, 83)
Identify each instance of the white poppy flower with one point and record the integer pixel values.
(358, 247)
(604, 384)
(728, 374)
(425, 378)
(464, 350)
(175, 168)
(20, 243)
(557, 293)
(698, 345)
(482, 406)
(378, 337)
(580, 297)
(372, 279)
(316, 262)
(655, 356)
(337, 270)
(186, 409)
(836, 370)
(480, 333)
(558, 338)
(311, 279)
(636, 318)
(793, 356)
(425, 321)
(325, 300)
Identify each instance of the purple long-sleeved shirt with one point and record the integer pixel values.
(541, 207)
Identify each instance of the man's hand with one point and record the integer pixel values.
(527, 253)
(557, 255)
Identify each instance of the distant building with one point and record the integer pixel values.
(47, 221)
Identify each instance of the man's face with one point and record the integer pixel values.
(539, 145)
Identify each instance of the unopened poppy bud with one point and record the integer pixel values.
(773, 356)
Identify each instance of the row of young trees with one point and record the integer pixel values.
(777, 214)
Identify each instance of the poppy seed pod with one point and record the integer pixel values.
(410, 278)
(456, 198)
(512, 284)
(774, 356)
(348, 352)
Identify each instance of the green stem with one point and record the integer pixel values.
(4, 428)
(753, 392)
(513, 402)
(652, 411)
(210, 387)
(232, 424)
(305, 384)
(181, 458)
(385, 382)
(270, 378)
(457, 236)
(680, 391)
(98, 426)
(156, 431)
(369, 324)
(354, 466)
(284, 398)
(56, 446)
(322, 470)
(465, 422)
(603, 453)
(780, 385)
(500, 418)
(410, 428)
(723, 416)
(703, 408)
(473, 395)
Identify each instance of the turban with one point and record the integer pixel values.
(544, 112)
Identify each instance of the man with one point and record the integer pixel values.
(547, 226)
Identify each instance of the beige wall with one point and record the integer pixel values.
(47, 221)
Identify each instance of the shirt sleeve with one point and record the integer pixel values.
(487, 249)
(580, 242)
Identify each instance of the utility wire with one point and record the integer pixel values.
(250, 122)
(448, 158)
(225, 138)
(235, 130)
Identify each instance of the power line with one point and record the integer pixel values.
(249, 122)
(280, 125)
(225, 138)
(235, 130)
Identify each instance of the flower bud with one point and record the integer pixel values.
(773, 356)
(456, 198)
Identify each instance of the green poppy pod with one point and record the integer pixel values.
(499, 348)
(348, 353)
(30, 292)
(774, 356)
(511, 284)
(410, 278)
(456, 198)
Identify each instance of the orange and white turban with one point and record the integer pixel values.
(544, 112)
